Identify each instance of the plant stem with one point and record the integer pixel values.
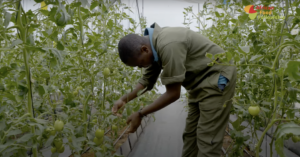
(53, 114)
(27, 69)
(104, 90)
(262, 137)
(85, 114)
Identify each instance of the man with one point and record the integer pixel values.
(180, 52)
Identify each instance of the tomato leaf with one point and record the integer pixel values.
(60, 46)
(4, 71)
(15, 43)
(94, 4)
(292, 70)
(25, 138)
(110, 24)
(41, 121)
(41, 90)
(9, 96)
(7, 19)
(237, 125)
(288, 128)
(49, 141)
(279, 147)
(80, 139)
(298, 11)
(293, 93)
(45, 12)
(256, 58)
(14, 132)
(228, 56)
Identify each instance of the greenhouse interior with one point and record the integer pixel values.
(150, 78)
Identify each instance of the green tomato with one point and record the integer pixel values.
(114, 127)
(94, 121)
(53, 149)
(50, 130)
(79, 88)
(70, 139)
(53, 132)
(58, 143)
(106, 72)
(58, 125)
(99, 133)
(75, 93)
(61, 149)
(254, 110)
(289, 135)
(98, 141)
(295, 138)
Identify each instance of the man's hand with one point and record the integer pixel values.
(135, 121)
(125, 99)
(118, 105)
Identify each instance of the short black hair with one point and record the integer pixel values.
(129, 46)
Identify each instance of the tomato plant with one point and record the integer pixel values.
(266, 54)
(51, 69)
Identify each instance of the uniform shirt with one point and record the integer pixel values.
(180, 53)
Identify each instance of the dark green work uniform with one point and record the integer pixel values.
(180, 54)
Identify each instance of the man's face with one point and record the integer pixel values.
(144, 59)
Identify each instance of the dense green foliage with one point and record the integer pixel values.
(51, 68)
(267, 56)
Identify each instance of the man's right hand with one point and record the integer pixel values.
(117, 106)
(120, 104)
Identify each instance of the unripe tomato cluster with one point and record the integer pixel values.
(51, 130)
(296, 138)
(57, 146)
(75, 92)
(99, 134)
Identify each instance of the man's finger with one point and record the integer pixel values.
(128, 120)
(130, 130)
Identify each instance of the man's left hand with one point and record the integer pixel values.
(135, 121)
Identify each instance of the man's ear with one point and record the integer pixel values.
(144, 48)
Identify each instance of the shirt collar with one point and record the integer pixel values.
(149, 31)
